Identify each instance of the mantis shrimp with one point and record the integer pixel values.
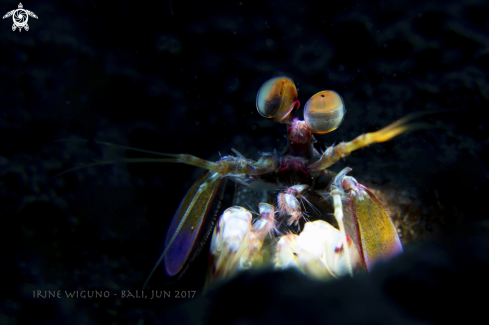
(352, 229)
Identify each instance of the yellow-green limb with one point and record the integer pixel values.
(333, 154)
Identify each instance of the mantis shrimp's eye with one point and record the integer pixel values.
(276, 98)
(324, 112)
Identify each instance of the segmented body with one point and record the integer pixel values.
(336, 238)
(352, 231)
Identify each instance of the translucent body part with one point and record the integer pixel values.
(324, 112)
(320, 251)
(238, 244)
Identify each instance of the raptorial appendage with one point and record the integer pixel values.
(378, 237)
(236, 243)
(288, 203)
(365, 236)
(317, 251)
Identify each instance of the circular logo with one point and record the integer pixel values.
(20, 17)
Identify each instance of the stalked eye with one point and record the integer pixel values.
(324, 112)
(277, 98)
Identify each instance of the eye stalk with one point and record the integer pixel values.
(324, 112)
(277, 98)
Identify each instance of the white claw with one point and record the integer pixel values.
(317, 251)
(286, 255)
(288, 202)
(229, 239)
(236, 243)
(266, 223)
(314, 249)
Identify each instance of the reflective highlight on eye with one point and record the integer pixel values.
(324, 112)
(276, 98)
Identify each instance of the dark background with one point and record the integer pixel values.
(182, 77)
